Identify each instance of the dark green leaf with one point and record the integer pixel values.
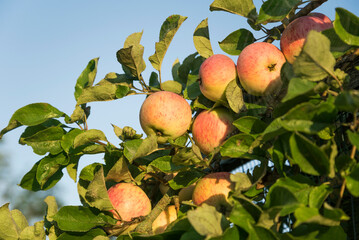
(234, 43)
(348, 101)
(337, 46)
(131, 55)
(237, 146)
(80, 219)
(275, 10)
(353, 138)
(312, 215)
(346, 25)
(315, 61)
(297, 87)
(50, 166)
(167, 32)
(250, 125)
(87, 77)
(89, 136)
(172, 86)
(31, 115)
(116, 168)
(68, 139)
(165, 164)
(282, 198)
(201, 39)
(243, 8)
(92, 234)
(184, 179)
(206, 220)
(192, 90)
(139, 147)
(310, 158)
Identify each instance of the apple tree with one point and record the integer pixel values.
(293, 109)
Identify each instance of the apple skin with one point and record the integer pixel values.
(258, 66)
(213, 190)
(165, 114)
(129, 200)
(166, 217)
(211, 128)
(215, 73)
(323, 17)
(294, 35)
(185, 194)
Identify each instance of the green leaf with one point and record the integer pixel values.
(346, 25)
(315, 61)
(237, 146)
(184, 179)
(8, 228)
(282, 198)
(242, 181)
(172, 86)
(206, 220)
(165, 164)
(87, 77)
(192, 90)
(51, 209)
(275, 10)
(243, 8)
(312, 215)
(31, 115)
(273, 130)
(250, 125)
(139, 147)
(94, 234)
(35, 232)
(309, 157)
(131, 55)
(353, 138)
(80, 219)
(44, 141)
(309, 118)
(116, 168)
(68, 139)
(186, 156)
(337, 46)
(167, 32)
(49, 166)
(298, 87)
(318, 195)
(19, 219)
(234, 43)
(201, 39)
(234, 96)
(352, 181)
(89, 136)
(348, 101)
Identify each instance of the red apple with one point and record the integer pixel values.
(258, 67)
(211, 128)
(213, 189)
(166, 217)
(323, 17)
(294, 35)
(215, 73)
(129, 201)
(165, 114)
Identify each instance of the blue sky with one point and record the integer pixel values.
(45, 45)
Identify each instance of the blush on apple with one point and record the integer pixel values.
(258, 67)
(213, 189)
(215, 73)
(129, 201)
(294, 35)
(165, 114)
(211, 128)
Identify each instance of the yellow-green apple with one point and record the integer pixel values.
(129, 201)
(215, 73)
(165, 114)
(211, 128)
(294, 35)
(258, 66)
(213, 189)
(166, 217)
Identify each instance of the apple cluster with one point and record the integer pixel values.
(168, 115)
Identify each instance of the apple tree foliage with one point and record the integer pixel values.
(305, 137)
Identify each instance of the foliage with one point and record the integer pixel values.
(306, 138)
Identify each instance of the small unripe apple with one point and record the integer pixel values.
(215, 73)
(165, 114)
(129, 201)
(213, 189)
(211, 128)
(258, 66)
(295, 34)
(166, 217)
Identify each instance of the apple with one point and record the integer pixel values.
(166, 217)
(294, 35)
(213, 189)
(165, 114)
(258, 66)
(211, 128)
(215, 73)
(129, 201)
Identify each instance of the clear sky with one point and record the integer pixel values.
(45, 45)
